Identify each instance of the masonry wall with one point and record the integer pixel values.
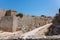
(6, 23)
(28, 23)
(2, 13)
(10, 13)
(14, 28)
(9, 21)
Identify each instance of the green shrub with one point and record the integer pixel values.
(43, 16)
(20, 15)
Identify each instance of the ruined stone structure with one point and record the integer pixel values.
(28, 23)
(10, 13)
(10, 21)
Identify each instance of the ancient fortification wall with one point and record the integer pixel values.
(14, 27)
(28, 23)
(6, 23)
(9, 20)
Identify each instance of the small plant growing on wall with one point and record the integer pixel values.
(20, 15)
(43, 16)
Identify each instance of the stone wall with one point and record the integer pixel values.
(8, 19)
(8, 23)
(14, 28)
(28, 23)
(2, 13)
(10, 13)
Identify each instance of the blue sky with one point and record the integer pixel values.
(32, 7)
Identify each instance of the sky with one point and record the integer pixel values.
(32, 7)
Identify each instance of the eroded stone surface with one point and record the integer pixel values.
(11, 21)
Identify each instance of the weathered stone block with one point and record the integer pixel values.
(8, 23)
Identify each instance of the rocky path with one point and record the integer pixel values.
(33, 32)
